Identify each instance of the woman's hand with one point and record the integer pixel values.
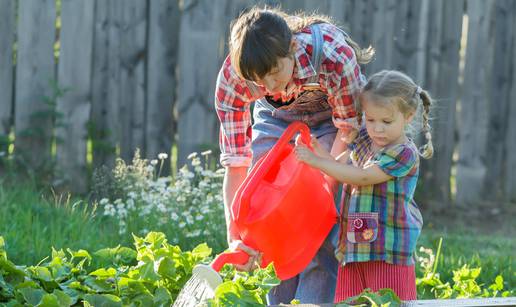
(255, 257)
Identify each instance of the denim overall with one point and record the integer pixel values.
(316, 284)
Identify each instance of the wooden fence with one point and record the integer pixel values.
(141, 74)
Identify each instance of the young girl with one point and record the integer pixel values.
(380, 222)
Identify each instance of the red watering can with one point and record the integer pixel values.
(284, 209)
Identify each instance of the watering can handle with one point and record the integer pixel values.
(236, 257)
(272, 155)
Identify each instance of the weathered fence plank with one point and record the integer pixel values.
(132, 104)
(442, 81)
(7, 31)
(35, 69)
(75, 77)
(383, 35)
(499, 85)
(510, 143)
(140, 48)
(164, 17)
(474, 111)
(104, 102)
(203, 24)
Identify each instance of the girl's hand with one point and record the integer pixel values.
(305, 155)
(317, 147)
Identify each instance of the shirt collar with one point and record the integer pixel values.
(304, 68)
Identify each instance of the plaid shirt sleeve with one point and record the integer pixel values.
(232, 103)
(344, 79)
(397, 161)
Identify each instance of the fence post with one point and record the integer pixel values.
(74, 76)
(510, 179)
(7, 30)
(35, 70)
(442, 74)
(474, 114)
(133, 57)
(499, 100)
(164, 17)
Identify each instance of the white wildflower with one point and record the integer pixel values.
(192, 155)
(154, 162)
(162, 156)
(205, 153)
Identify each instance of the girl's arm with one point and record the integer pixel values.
(342, 172)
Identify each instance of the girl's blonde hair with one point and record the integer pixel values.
(260, 36)
(391, 86)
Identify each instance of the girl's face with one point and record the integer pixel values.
(385, 123)
(276, 81)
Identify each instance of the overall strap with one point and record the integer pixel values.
(317, 51)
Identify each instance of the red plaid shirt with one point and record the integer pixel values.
(339, 76)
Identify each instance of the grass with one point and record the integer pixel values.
(31, 224)
(493, 253)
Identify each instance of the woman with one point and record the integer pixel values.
(292, 68)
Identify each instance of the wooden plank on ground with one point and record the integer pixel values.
(7, 31)
(74, 74)
(35, 70)
(463, 302)
(164, 17)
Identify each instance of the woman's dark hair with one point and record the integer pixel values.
(260, 36)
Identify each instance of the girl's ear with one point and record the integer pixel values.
(410, 117)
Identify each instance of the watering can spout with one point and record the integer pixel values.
(210, 272)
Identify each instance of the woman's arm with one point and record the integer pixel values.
(342, 172)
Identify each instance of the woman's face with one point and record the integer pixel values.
(276, 81)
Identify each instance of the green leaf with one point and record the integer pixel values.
(99, 285)
(117, 255)
(162, 297)
(147, 272)
(201, 251)
(41, 273)
(3, 253)
(103, 300)
(49, 300)
(156, 239)
(63, 298)
(81, 254)
(32, 296)
(14, 274)
(167, 268)
(110, 272)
